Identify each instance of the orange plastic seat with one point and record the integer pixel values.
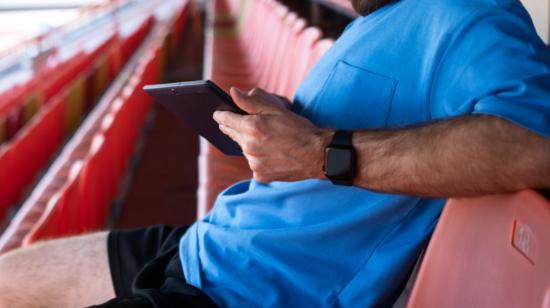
(491, 251)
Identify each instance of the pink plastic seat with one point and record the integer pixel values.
(491, 251)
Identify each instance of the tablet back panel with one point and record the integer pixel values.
(195, 102)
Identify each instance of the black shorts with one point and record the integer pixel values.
(146, 270)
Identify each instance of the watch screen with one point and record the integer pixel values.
(339, 163)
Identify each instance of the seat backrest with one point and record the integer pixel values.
(299, 65)
(59, 218)
(491, 251)
(318, 51)
(7, 173)
(284, 51)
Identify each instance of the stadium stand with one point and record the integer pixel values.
(73, 196)
(78, 83)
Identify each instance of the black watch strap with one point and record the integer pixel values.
(342, 138)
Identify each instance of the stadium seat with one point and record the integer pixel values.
(93, 199)
(82, 79)
(111, 152)
(30, 151)
(283, 54)
(30, 107)
(60, 217)
(318, 51)
(115, 60)
(13, 121)
(8, 172)
(75, 105)
(18, 106)
(42, 133)
(299, 66)
(288, 61)
(3, 130)
(101, 80)
(241, 64)
(59, 77)
(491, 251)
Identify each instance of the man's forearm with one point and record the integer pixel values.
(466, 156)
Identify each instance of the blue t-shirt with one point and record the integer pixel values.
(314, 244)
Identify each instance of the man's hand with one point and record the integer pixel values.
(278, 144)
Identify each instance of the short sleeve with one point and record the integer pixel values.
(350, 24)
(495, 64)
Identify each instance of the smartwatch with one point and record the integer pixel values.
(340, 159)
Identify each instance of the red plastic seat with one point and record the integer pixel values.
(8, 172)
(491, 251)
(60, 217)
(112, 152)
(93, 190)
(20, 161)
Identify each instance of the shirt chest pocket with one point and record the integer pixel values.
(353, 98)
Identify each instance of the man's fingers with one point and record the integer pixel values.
(233, 134)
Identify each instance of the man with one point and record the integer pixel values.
(445, 98)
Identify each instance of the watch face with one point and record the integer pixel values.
(340, 163)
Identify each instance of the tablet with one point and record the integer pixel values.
(195, 102)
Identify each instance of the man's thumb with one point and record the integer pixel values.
(247, 103)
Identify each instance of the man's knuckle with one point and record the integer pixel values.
(254, 126)
(261, 166)
(260, 124)
(255, 166)
(248, 124)
(252, 120)
(249, 146)
(254, 148)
